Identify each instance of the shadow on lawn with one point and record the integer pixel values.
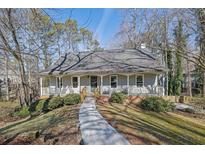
(31, 109)
(59, 126)
(183, 124)
(13, 125)
(130, 120)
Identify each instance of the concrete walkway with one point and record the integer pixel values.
(94, 128)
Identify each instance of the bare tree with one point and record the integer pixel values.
(200, 13)
(154, 27)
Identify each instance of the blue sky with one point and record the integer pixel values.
(104, 23)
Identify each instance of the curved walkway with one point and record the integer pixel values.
(95, 129)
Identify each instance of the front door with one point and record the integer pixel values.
(93, 83)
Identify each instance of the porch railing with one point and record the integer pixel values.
(107, 90)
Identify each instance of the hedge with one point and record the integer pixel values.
(157, 104)
(55, 102)
(72, 99)
(117, 97)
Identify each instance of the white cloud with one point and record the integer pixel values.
(98, 34)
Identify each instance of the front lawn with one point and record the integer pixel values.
(7, 108)
(144, 127)
(59, 126)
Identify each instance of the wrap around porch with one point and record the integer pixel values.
(130, 84)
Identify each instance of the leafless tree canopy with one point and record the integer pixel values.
(31, 40)
(155, 28)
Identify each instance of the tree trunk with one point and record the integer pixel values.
(23, 86)
(7, 77)
(204, 84)
(201, 20)
(19, 59)
(189, 86)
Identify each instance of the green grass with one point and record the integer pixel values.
(57, 123)
(144, 127)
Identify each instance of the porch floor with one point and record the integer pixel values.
(95, 129)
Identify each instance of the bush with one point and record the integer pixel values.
(157, 104)
(117, 97)
(72, 99)
(39, 105)
(54, 103)
(24, 112)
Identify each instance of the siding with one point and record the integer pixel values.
(84, 81)
(122, 80)
(150, 80)
(106, 80)
(66, 81)
(98, 81)
(52, 85)
(52, 81)
(132, 80)
(66, 87)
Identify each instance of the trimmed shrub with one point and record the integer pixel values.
(54, 103)
(39, 105)
(24, 112)
(117, 97)
(157, 104)
(72, 99)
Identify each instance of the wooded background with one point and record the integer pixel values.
(30, 40)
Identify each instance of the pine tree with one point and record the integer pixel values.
(180, 40)
(200, 14)
(170, 73)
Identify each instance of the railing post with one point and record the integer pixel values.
(79, 83)
(49, 86)
(101, 84)
(128, 83)
(60, 88)
(41, 84)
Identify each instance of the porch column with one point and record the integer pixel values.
(128, 84)
(101, 84)
(49, 80)
(79, 83)
(41, 84)
(60, 87)
(164, 86)
(158, 84)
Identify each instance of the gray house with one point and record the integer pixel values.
(132, 71)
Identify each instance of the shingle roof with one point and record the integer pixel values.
(107, 61)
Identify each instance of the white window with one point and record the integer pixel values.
(113, 81)
(139, 80)
(75, 82)
(59, 82)
(159, 80)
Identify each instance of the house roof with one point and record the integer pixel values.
(107, 61)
